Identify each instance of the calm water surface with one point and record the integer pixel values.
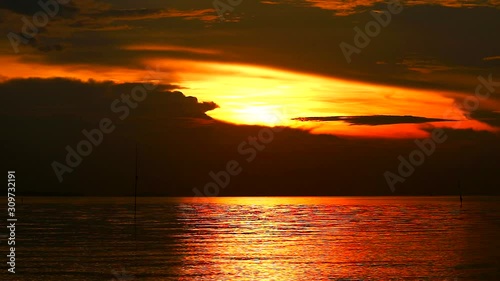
(300, 238)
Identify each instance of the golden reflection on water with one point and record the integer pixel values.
(298, 238)
(256, 238)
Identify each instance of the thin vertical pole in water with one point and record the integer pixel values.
(135, 194)
(135, 188)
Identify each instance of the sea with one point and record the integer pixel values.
(255, 238)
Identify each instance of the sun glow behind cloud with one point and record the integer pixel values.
(251, 94)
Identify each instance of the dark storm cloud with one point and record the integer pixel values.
(489, 117)
(93, 17)
(145, 14)
(400, 54)
(406, 46)
(408, 52)
(131, 13)
(39, 45)
(48, 48)
(39, 98)
(30, 7)
(374, 120)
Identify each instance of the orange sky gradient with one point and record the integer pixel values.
(252, 94)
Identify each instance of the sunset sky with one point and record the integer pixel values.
(267, 63)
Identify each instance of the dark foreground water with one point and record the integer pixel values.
(325, 238)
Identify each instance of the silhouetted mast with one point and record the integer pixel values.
(135, 194)
(136, 178)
